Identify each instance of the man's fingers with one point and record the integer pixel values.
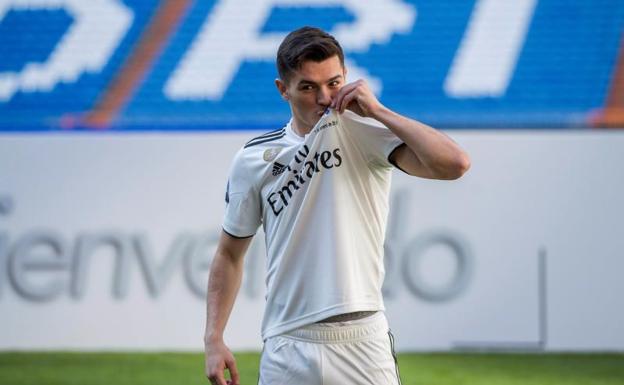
(341, 94)
(217, 378)
(233, 372)
(346, 100)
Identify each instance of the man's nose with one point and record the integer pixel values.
(324, 97)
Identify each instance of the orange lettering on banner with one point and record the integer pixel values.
(613, 114)
(148, 48)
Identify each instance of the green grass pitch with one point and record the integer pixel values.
(52, 368)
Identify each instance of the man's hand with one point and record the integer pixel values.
(218, 358)
(357, 97)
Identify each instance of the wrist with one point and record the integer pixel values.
(380, 112)
(211, 339)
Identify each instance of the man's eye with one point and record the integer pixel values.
(306, 88)
(334, 83)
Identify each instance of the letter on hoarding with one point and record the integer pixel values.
(4, 253)
(35, 254)
(97, 29)
(230, 35)
(158, 275)
(86, 246)
(485, 61)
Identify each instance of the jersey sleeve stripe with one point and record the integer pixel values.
(269, 139)
(268, 135)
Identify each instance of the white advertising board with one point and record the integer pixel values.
(106, 242)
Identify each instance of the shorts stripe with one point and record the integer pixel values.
(396, 361)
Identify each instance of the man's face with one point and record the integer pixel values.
(311, 89)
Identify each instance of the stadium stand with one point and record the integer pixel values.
(208, 65)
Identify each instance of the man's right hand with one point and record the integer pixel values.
(218, 358)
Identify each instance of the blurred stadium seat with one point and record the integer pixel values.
(453, 63)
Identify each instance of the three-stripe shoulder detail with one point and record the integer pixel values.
(268, 137)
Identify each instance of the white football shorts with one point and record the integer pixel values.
(355, 352)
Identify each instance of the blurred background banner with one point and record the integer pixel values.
(119, 120)
(209, 65)
(106, 243)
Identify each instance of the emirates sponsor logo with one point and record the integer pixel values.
(305, 166)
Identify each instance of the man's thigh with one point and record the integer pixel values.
(288, 361)
(369, 361)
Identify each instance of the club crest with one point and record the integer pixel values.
(270, 154)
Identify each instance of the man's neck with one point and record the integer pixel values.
(299, 129)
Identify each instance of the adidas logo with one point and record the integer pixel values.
(278, 168)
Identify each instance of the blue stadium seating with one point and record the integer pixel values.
(561, 77)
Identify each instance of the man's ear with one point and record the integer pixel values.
(283, 90)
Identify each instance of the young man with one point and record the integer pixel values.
(320, 187)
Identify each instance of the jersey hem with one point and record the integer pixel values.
(395, 164)
(319, 316)
(236, 236)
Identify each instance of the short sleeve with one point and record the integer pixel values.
(242, 201)
(374, 139)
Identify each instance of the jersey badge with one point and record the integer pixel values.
(270, 154)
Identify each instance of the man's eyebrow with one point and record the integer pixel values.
(305, 81)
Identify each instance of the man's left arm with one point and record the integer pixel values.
(427, 152)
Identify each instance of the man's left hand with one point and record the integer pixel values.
(357, 97)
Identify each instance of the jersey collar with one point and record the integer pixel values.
(291, 134)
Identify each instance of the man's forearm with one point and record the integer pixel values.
(434, 149)
(223, 284)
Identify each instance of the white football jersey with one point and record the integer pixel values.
(323, 202)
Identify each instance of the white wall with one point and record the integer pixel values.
(129, 210)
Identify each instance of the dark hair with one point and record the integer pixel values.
(305, 44)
